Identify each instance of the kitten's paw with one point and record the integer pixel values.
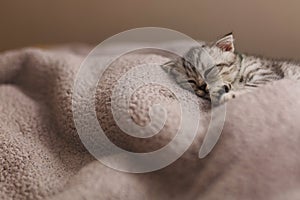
(227, 96)
(221, 99)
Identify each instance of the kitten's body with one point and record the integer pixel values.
(256, 71)
(216, 72)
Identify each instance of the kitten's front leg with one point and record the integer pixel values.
(232, 94)
(228, 96)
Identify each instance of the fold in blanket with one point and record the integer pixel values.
(42, 156)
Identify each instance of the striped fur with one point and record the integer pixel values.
(216, 72)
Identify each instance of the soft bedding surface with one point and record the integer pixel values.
(42, 156)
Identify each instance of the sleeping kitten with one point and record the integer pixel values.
(217, 73)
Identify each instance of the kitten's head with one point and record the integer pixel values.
(202, 66)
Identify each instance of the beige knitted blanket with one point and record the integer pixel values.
(42, 156)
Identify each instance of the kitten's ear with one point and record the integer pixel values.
(174, 67)
(169, 66)
(226, 43)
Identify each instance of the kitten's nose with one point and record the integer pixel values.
(204, 87)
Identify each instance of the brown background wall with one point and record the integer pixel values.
(269, 27)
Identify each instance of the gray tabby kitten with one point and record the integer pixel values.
(216, 72)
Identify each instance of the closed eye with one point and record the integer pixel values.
(222, 65)
(225, 64)
(192, 81)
